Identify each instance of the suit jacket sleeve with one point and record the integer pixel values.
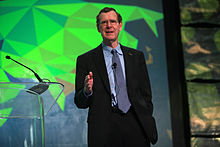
(145, 92)
(139, 90)
(145, 88)
(80, 99)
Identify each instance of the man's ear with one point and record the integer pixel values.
(98, 28)
(120, 26)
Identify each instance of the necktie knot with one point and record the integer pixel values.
(113, 51)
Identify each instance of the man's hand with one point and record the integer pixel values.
(88, 83)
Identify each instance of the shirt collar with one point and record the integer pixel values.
(109, 49)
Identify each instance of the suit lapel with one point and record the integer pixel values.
(128, 69)
(98, 57)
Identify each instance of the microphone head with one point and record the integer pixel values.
(7, 57)
(114, 65)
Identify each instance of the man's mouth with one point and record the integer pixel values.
(108, 32)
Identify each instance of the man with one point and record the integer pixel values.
(112, 81)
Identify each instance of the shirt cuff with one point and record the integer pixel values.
(87, 95)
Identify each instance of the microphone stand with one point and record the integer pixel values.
(39, 88)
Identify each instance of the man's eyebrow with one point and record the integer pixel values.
(109, 20)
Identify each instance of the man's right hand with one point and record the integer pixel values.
(88, 83)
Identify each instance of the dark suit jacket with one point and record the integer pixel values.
(99, 104)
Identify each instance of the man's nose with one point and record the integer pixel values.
(108, 24)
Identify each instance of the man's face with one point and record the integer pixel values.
(109, 26)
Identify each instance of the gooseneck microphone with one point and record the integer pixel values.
(40, 88)
(36, 75)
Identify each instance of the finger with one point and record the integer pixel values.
(90, 75)
(86, 79)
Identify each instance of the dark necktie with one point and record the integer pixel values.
(120, 83)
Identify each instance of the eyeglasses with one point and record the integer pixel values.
(111, 22)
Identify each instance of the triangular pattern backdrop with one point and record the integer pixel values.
(48, 35)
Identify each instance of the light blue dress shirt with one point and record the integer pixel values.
(108, 62)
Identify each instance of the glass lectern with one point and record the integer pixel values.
(22, 112)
